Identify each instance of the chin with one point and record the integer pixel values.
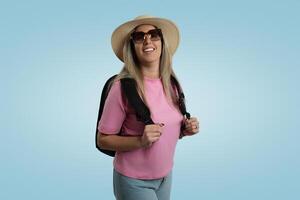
(149, 60)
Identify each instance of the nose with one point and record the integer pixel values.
(147, 39)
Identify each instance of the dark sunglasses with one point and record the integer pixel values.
(139, 37)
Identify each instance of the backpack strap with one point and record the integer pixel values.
(142, 111)
(181, 100)
(181, 104)
(104, 94)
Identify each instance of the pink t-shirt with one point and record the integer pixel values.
(144, 163)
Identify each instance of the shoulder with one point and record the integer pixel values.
(115, 87)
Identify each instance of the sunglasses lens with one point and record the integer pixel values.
(138, 37)
(155, 34)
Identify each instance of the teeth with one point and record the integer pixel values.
(149, 49)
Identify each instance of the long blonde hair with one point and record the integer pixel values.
(131, 69)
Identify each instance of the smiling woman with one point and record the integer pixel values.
(147, 45)
(144, 152)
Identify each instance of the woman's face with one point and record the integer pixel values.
(147, 51)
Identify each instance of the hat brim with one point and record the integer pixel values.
(121, 33)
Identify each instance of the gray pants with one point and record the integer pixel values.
(126, 188)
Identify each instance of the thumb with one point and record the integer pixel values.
(187, 121)
(161, 124)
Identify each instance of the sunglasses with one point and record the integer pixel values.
(139, 37)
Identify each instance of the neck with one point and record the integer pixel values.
(151, 70)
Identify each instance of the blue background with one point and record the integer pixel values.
(238, 62)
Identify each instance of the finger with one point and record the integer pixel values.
(156, 134)
(150, 135)
(192, 123)
(161, 124)
(192, 126)
(193, 119)
(153, 128)
(158, 128)
(195, 124)
(189, 128)
(189, 124)
(154, 139)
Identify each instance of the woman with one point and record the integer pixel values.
(144, 159)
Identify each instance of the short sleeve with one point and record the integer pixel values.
(114, 113)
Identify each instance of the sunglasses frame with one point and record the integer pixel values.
(144, 37)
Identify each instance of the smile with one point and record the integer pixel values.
(148, 50)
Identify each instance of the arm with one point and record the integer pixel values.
(150, 135)
(113, 117)
(119, 143)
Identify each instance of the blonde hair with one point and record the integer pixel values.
(131, 69)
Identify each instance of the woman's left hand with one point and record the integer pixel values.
(191, 126)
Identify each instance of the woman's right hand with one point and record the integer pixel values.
(151, 134)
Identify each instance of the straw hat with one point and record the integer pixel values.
(169, 30)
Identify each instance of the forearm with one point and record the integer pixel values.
(119, 143)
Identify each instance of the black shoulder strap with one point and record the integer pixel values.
(142, 111)
(104, 94)
(181, 99)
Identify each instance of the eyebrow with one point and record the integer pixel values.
(143, 24)
(145, 32)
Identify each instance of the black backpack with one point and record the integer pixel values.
(128, 86)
